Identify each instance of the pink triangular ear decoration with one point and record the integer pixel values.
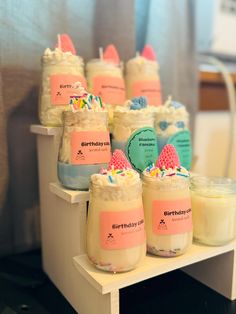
(149, 53)
(64, 43)
(111, 54)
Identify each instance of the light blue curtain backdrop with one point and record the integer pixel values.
(26, 29)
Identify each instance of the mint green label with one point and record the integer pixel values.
(183, 145)
(141, 148)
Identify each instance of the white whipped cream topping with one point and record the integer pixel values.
(128, 177)
(141, 65)
(57, 56)
(126, 121)
(97, 67)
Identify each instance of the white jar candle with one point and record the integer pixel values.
(60, 70)
(166, 200)
(105, 79)
(126, 120)
(167, 205)
(85, 143)
(116, 240)
(134, 134)
(214, 209)
(142, 79)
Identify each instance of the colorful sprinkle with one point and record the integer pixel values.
(85, 101)
(156, 172)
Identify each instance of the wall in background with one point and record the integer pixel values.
(211, 143)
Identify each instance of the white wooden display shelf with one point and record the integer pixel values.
(70, 196)
(152, 266)
(63, 215)
(45, 130)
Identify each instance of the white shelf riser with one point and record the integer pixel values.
(63, 233)
(63, 223)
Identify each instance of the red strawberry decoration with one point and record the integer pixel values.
(118, 161)
(64, 43)
(148, 53)
(168, 158)
(111, 54)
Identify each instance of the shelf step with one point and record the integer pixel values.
(70, 196)
(45, 130)
(152, 266)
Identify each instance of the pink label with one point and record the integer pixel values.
(90, 147)
(172, 217)
(150, 89)
(110, 89)
(61, 87)
(122, 230)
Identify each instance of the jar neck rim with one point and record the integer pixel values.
(115, 186)
(213, 182)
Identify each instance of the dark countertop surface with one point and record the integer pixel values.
(24, 288)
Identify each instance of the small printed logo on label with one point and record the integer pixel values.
(162, 225)
(80, 155)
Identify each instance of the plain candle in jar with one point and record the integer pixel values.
(214, 209)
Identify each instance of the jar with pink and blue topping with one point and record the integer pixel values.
(171, 123)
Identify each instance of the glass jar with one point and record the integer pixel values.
(214, 209)
(126, 122)
(171, 122)
(60, 70)
(105, 79)
(116, 240)
(168, 217)
(85, 147)
(142, 79)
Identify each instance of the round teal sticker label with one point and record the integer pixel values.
(183, 144)
(141, 148)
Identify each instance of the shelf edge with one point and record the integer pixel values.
(201, 253)
(44, 130)
(70, 196)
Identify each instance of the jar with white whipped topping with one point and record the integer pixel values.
(167, 208)
(60, 70)
(116, 240)
(170, 118)
(85, 143)
(105, 79)
(171, 122)
(142, 79)
(214, 209)
(127, 119)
